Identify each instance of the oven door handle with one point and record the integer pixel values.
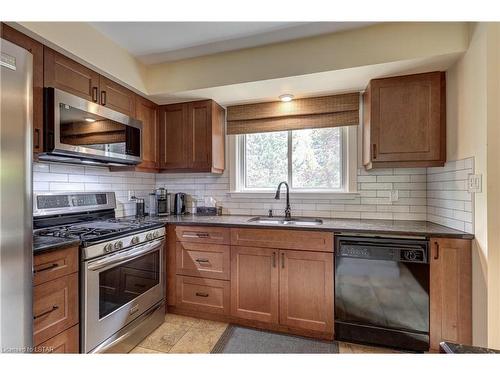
(115, 260)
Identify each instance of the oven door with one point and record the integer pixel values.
(119, 288)
(76, 127)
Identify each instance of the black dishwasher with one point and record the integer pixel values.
(382, 291)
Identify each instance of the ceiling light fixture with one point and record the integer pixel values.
(286, 97)
(89, 119)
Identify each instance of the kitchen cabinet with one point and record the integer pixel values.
(450, 292)
(306, 290)
(203, 260)
(254, 283)
(116, 97)
(147, 112)
(36, 49)
(204, 295)
(55, 301)
(66, 74)
(404, 122)
(65, 342)
(192, 137)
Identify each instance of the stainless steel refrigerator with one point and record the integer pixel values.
(16, 254)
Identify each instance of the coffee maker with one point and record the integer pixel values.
(162, 202)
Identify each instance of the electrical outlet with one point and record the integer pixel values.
(474, 183)
(393, 196)
(131, 193)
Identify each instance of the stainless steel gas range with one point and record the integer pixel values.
(122, 278)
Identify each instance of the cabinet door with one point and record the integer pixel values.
(200, 136)
(254, 283)
(306, 290)
(36, 49)
(147, 112)
(407, 118)
(450, 292)
(67, 342)
(173, 137)
(65, 74)
(116, 97)
(55, 307)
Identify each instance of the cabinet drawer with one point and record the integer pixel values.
(203, 260)
(196, 293)
(55, 307)
(283, 239)
(65, 342)
(203, 234)
(51, 265)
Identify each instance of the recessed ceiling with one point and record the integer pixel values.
(156, 42)
(316, 84)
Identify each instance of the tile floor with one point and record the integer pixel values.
(182, 334)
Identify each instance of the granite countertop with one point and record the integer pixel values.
(451, 348)
(41, 244)
(387, 227)
(395, 227)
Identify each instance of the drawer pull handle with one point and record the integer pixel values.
(103, 97)
(436, 257)
(198, 294)
(202, 260)
(374, 147)
(36, 143)
(202, 235)
(94, 94)
(140, 285)
(54, 308)
(53, 265)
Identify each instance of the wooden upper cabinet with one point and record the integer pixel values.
(116, 97)
(450, 292)
(254, 283)
(36, 49)
(306, 290)
(173, 137)
(192, 137)
(147, 112)
(405, 121)
(66, 74)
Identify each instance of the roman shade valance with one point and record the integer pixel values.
(307, 113)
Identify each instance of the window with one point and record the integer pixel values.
(310, 160)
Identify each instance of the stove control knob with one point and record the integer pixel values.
(149, 236)
(118, 245)
(156, 234)
(108, 247)
(135, 240)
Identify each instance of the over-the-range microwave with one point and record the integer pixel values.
(80, 131)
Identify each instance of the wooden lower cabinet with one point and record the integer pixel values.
(306, 290)
(55, 301)
(450, 292)
(55, 307)
(254, 283)
(65, 342)
(206, 295)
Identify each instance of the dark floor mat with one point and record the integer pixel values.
(247, 340)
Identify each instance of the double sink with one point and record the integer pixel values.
(285, 221)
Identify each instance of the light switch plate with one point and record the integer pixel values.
(474, 183)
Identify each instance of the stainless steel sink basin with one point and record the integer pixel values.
(282, 221)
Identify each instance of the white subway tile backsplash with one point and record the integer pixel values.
(434, 194)
(448, 201)
(66, 177)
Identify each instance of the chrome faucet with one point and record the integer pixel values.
(288, 214)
